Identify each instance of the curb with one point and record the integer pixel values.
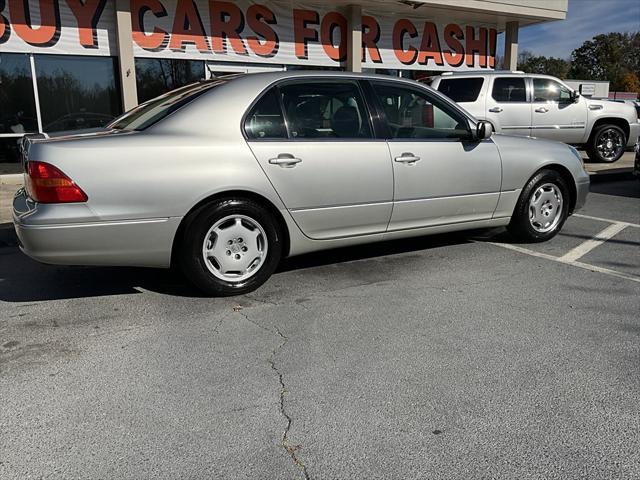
(11, 179)
(611, 175)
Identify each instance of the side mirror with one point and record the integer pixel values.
(575, 96)
(483, 131)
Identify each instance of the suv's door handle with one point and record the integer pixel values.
(407, 157)
(542, 109)
(495, 110)
(285, 160)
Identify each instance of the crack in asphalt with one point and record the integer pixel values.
(290, 449)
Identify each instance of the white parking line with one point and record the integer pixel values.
(573, 263)
(585, 247)
(608, 220)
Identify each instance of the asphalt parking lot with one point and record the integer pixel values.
(456, 356)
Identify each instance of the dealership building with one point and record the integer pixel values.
(74, 64)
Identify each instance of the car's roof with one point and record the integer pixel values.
(270, 77)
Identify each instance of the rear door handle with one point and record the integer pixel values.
(495, 110)
(285, 160)
(542, 109)
(407, 157)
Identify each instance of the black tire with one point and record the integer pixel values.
(191, 259)
(592, 149)
(521, 227)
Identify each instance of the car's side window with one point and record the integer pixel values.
(325, 110)
(546, 90)
(509, 89)
(265, 121)
(411, 113)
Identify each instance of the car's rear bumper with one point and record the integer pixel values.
(139, 242)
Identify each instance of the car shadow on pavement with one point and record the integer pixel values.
(25, 280)
(372, 250)
(626, 186)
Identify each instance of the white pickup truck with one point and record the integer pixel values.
(543, 106)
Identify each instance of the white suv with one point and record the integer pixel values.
(543, 106)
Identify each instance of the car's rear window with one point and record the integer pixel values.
(461, 89)
(154, 110)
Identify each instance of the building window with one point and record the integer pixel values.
(76, 92)
(155, 76)
(17, 103)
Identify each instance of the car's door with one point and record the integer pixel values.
(507, 105)
(554, 114)
(441, 176)
(333, 176)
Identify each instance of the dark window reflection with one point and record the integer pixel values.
(9, 151)
(17, 104)
(157, 76)
(76, 92)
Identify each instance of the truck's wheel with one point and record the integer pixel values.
(606, 144)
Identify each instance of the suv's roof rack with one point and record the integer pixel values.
(483, 72)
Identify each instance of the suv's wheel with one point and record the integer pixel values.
(607, 144)
(542, 208)
(230, 247)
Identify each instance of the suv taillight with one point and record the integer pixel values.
(47, 184)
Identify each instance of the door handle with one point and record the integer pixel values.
(495, 110)
(285, 160)
(407, 157)
(542, 109)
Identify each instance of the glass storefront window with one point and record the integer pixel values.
(155, 76)
(17, 103)
(76, 92)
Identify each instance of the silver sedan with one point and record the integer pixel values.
(226, 177)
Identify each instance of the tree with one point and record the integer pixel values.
(630, 83)
(607, 57)
(556, 67)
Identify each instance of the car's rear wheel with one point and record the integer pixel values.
(542, 208)
(230, 247)
(607, 144)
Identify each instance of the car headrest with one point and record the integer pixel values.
(345, 122)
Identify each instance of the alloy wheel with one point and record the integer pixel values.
(609, 144)
(235, 248)
(545, 208)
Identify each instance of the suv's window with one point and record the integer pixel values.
(325, 110)
(265, 119)
(412, 113)
(546, 90)
(461, 89)
(509, 89)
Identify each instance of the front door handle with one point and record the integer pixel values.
(407, 157)
(285, 160)
(495, 110)
(542, 109)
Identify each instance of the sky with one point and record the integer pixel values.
(585, 19)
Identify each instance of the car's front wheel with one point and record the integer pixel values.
(542, 208)
(607, 144)
(230, 247)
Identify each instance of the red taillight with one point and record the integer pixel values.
(47, 184)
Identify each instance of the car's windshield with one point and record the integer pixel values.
(154, 110)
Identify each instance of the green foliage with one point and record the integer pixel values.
(608, 57)
(614, 57)
(530, 63)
